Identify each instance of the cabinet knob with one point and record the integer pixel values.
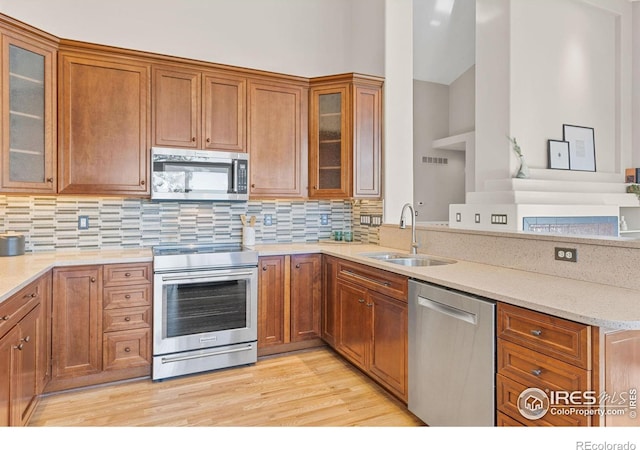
(127, 319)
(369, 305)
(32, 295)
(264, 268)
(536, 332)
(253, 185)
(297, 266)
(536, 372)
(128, 274)
(93, 279)
(142, 183)
(5, 317)
(49, 180)
(19, 347)
(127, 296)
(193, 139)
(208, 140)
(127, 349)
(360, 300)
(315, 188)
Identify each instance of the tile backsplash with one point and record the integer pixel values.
(51, 223)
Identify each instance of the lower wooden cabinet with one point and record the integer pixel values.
(24, 338)
(370, 322)
(289, 302)
(101, 324)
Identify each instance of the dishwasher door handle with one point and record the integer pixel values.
(448, 310)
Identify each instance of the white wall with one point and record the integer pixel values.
(398, 108)
(462, 103)
(636, 85)
(306, 38)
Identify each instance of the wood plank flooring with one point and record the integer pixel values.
(309, 388)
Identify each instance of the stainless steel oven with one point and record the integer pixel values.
(205, 309)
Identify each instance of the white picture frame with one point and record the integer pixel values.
(582, 149)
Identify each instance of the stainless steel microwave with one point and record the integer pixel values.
(179, 174)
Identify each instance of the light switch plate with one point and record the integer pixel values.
(83, 222)
(324, 219)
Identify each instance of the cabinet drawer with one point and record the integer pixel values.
(552, 336)
(378, 280)
(535, 370)
(126, 318)
(508, 392)
(127, 349)
(126, 296)
(18, 305)
(122, 274)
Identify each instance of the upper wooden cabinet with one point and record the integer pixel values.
(199, 110)
(28, 113)
(277, 139)
(104, 118)
(345, 132)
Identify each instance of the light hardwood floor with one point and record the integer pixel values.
(310, 388)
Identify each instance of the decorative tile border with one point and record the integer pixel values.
(51, 223)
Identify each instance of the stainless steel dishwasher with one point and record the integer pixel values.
(451, 357)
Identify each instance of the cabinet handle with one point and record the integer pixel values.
(297, 266)
(127, 274)
(315, 188)
(208, 140)
(32, 295)
(369, 305)
(26, 339)
(49, 180)
(264, 268)
(360, 300)
(253, 185)
(93, 279)
(127, 296)
(536, 332)
(127, 349)
(5, 317)
(536, 372)
(127, 319)
(193, 139)
(142, 183)
(362, 277)
(19, 347)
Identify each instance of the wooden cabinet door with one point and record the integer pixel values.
(224, 113)
(103, 125)
(26, 367)
(367, 146)
(77, 321)
(7, 377)
(354, 324)
(28, 116)
(329, 144)
(272, 306)
(306, 296)
(44, 331)
(275, 143)
(330, 301)
(176, 107)
(389, 346)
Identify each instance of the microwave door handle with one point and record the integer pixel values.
(234, 182)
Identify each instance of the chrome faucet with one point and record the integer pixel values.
(414, 243)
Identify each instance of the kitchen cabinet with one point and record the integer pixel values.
(277, 141)
(329, 299)
(23, 351)
(101, 324)
(345, 137)
(536, 350)
(371, 323)
(199, 109)
(289, 302)
(104, 123)
(28, 148)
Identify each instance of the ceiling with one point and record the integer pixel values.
(443, 39)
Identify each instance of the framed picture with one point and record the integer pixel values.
(558, 155)
(582, 148)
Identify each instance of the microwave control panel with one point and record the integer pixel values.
(242, 177)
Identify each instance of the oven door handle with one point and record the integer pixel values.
(205, 355)
(205, 276)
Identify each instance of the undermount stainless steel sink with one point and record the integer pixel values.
(406, 259)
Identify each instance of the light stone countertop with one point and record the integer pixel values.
(589, 303)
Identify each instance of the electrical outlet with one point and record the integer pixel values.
(365, 220)
(498, 219)
(268, 221)
(477, 218)
(83, 222)
(566, 254)
(324, 219)
(376, 221)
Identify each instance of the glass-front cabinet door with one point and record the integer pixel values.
(330, 161)
(28, 113)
